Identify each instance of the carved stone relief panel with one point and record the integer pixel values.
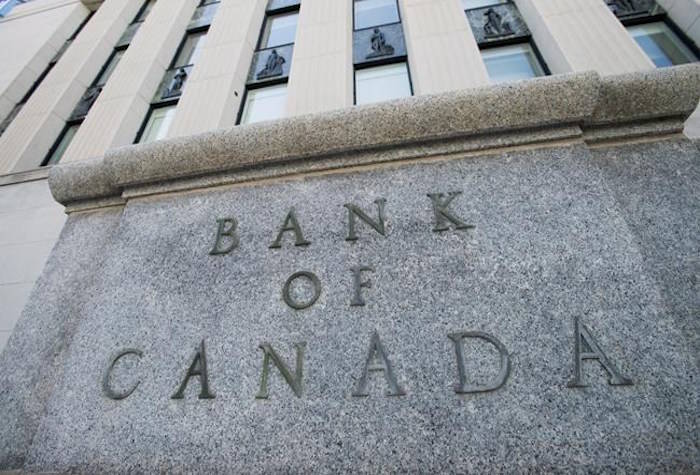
(378, 43)
(496, 23)
(270, 64)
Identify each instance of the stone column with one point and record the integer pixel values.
(321, 76)
(42, 28)
(30, 136)
(213, 92)
(442, 52)
(119, 111)
(582, 35)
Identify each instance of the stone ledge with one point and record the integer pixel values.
(23, 177)
(583, 99)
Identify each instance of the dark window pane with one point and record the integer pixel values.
(145, 11)
(62, 145)
(370, 13)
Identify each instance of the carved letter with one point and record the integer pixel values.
(586, 348)
(498, 381)
(355, 211)
(296, 382)
(197, 368)
(106, 388)
(357, 300)
(227, 227)
(442, 214)
(377, 360)
(290, 224)
(287, 285)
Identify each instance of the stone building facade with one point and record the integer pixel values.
(515, 173)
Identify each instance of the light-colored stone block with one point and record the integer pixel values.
(122, 117)
(684, 13)
(321, 76)
(119, 111)
(31, 225)
(442, 52)
(22, 263)
(26, 196)
(29, 138)
(582, 35)
(232, 35)
(40, 30)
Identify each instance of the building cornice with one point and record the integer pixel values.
(583, 105)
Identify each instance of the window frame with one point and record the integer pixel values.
(520, 40)
(202, 29)
(663, 18)
(273, 13)
(354, 23)
(57, 142)
(254, 87)
(116, 51)
(388, 62)
(272, 81)
(530, 43)
(142, 10)
(151, 109)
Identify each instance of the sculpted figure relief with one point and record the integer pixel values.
(379, 46)
(273, 66)
(495, 25)
(178, 82)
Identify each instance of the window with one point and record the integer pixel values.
(109, 67)
(61, 145)
(369, 13)
(265, 103)
(471, 4)
(191, 49)
(157, 124)
(661, 44)
(145, 10)
(382, 83)
(279, 30)
(511, 63)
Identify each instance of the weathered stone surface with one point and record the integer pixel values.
(633, 104)
(559, 233)
(34, 358)
(657, 187)
(665, 92)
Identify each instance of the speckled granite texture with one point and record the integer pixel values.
(567, 223)
(559, 233)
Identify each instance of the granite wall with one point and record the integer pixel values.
(527, 306)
